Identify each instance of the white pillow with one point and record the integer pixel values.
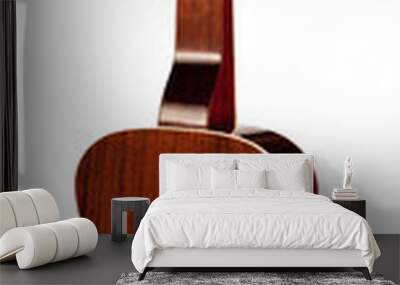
(223, 179)
(236, 179)
(187, 177)
(251, 178)
(282, 174)
(187, 174)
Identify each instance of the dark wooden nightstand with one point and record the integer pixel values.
(119, 207)
(357, 206)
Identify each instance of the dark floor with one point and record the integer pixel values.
(110, 260)
(103, 266)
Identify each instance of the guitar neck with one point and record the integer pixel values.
(200, 89)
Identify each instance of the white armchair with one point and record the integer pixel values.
(31, 230)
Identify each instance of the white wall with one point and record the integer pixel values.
(326, 74)
(87, 68)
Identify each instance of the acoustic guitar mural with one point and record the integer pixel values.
(197, 115)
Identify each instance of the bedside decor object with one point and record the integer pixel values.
(348, 173)
(346, 192)
(356, 206)
(119, 207)
(31, 231)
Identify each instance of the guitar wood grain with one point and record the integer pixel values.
(126, 164)
(202, 75)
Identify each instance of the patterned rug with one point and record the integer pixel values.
(269, 278)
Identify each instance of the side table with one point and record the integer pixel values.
(357, 206)
(119, 207)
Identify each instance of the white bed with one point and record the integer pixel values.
(249, 227)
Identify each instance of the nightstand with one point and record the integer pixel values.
(357, 206)
(119, 207)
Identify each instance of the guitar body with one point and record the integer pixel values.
(126, 164)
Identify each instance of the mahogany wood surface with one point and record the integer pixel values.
(126, 164)
(222, 108)
(199, 25)
(202, 78)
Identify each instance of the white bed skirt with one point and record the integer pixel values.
(191, 257)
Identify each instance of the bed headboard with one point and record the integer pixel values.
(203, 157)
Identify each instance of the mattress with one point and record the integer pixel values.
(250, 219)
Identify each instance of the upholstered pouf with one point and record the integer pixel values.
(31, 232)
(27, 208)
(37, 245)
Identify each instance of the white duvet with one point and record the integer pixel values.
(250, 219)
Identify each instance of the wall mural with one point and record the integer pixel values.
(197, 115)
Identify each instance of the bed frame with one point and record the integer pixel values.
(245, 259)
(234, 259)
